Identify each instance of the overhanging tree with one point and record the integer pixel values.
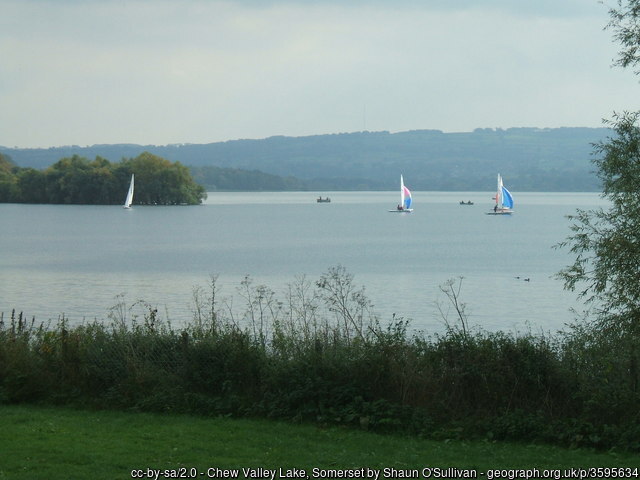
(607, 241)
(625, 23)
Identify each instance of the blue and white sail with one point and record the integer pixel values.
(405, 199)
(505, 195)
(504, 199)
(405, 195)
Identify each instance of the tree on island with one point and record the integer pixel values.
(8, 187)
(161, 182)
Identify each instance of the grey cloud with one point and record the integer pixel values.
(541, 8)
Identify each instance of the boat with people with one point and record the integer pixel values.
(323, 200)
(405, 199)
(462, 202)
(504, 200)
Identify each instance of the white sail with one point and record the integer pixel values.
(401, 191)
(129, 199)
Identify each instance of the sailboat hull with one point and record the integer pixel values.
(406, 210)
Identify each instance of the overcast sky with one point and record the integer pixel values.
(196, 71)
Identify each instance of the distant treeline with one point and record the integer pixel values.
(235, 179)
(77, 180)
(530, 159)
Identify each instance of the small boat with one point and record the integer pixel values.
(323, 200)
(405, 199)
(129, 199)
(462, 202)
(504, 200)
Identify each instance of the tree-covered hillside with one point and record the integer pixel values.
(530, 159)
(235, 179)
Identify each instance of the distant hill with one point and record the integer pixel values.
(530, 159)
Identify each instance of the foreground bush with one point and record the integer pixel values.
(322, 356)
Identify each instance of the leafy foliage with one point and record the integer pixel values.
(8, 187)
(607, 242)
(76, 180)
(625, 22)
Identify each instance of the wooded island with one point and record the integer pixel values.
(77, 180)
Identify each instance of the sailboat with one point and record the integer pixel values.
(504, 200)
(405, 199)
(129, 199)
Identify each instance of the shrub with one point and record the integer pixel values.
(323, 356)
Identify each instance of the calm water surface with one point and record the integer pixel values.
(78, 260)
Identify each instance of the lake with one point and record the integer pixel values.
(79, 260)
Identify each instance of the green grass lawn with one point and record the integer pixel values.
(60, 443)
